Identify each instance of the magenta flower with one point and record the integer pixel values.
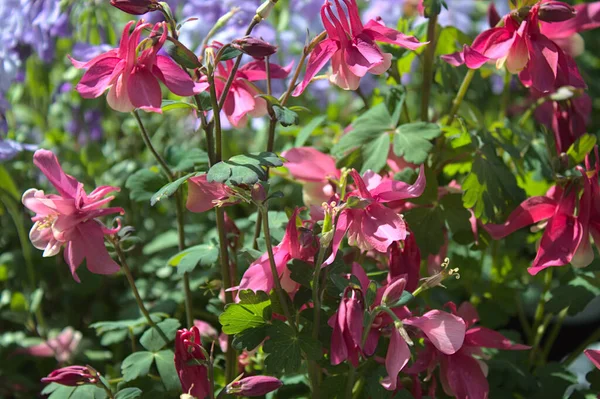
(405, 261)
(463, 376)
(61, 347)
(568, 119)
(523, 49)
(348, 327)
(189, 362)
(257, 385)
(132, 78)
(566, 33)
(594, 356)
(241, 99)
(374, 226)
(351, 47)
(563, 230)
(69, 219)
(297, 243)
(71, 376)
(314, 170)
(204, 195)
(589, 215)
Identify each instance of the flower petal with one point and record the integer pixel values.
(175, 78)
(397, 356)
(444, 330)
(531, 211)
(317, 60)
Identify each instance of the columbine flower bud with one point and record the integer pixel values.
(258, 193)
(556, 11)
(254, 386)
(135, 7)
(254, 47)
(393, 292)
(71, 376)
(264, 10)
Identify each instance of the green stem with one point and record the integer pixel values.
(350, 381)
(314, 370)
(541, 330)
(462, 91)
(278, 288)
(539, 311)
(428, 67)
(210, 142)
(136, 293)
(178, 214)
(554, 334)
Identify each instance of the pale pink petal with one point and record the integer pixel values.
(472, 58)
(40, 238)
(244, 102)
(380, 226)
(91, 239)
(518, 56)
(118, 96)
(257, 70)
(317, 60)
(85, 65)
(393, 190)
(202, 194)
(444, 330)
(309, 164)
(397, 356)
(455, 59)
(468, 313)
(342, 76)
(99, 77)
(363, 55)
(340, 231)
(66, 185)
(382, 68)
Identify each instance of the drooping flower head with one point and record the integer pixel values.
(131, 72)
(351, 47)
(241, 99)
(189, 362)
(61, 347)
(348, 327)
(257, 385)
(69, 219)
(523, 49)
(71, 376)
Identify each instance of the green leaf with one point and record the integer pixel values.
(250, 338)
(286, 116)
(301, 272)
(371, 293)
(253, 310)
(143, 184)
(308, 130)
(365, 128)
(405, 298)
(184, 158)
(205, 100)
(106, 326)
(166, 369)
(136, 365)
(491, 188)
(88, 392)
(283, 348)
(35, 299)
(168, 105)
(375, 154)
(411, 141)
(181, 54)
(243, 169)
(7, 184)
(299, 108)
(169, 189)
(151, 339)
(457, 218)
(229, 53)
(168, 239)
(427, 224)
(187, 260)
(269, 99)
(57, 391)
(576, 295)
(129, 393)
(580, 148)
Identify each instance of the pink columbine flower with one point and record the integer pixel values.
(589, 214)
(61, 347)
(189, 362)
(373, 226)
(204, 195)
(69, 218)
(71, 376)
(405, 260)
(567, 119)
(131, 74)
(348, 327)
(314, 170)
(241, 99)
(257, 385)
(297, 243)
(566, 33)
(563, 230)
(351, 47)
(463, 376)
(523, 49)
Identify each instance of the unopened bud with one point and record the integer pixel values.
(264, 10)
(209, 58)
(493, 16)
(72, 376)
(393, 292)
(254, 47)
(258, 193)
(254, 386)
(556, 11)
(135, 7)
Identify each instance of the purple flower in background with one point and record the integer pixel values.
(85, 52)
(10, 149)
(85, 126)
(44, 21)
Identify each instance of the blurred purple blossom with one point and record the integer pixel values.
(43, 22)
(85, 126)
(10, 149)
